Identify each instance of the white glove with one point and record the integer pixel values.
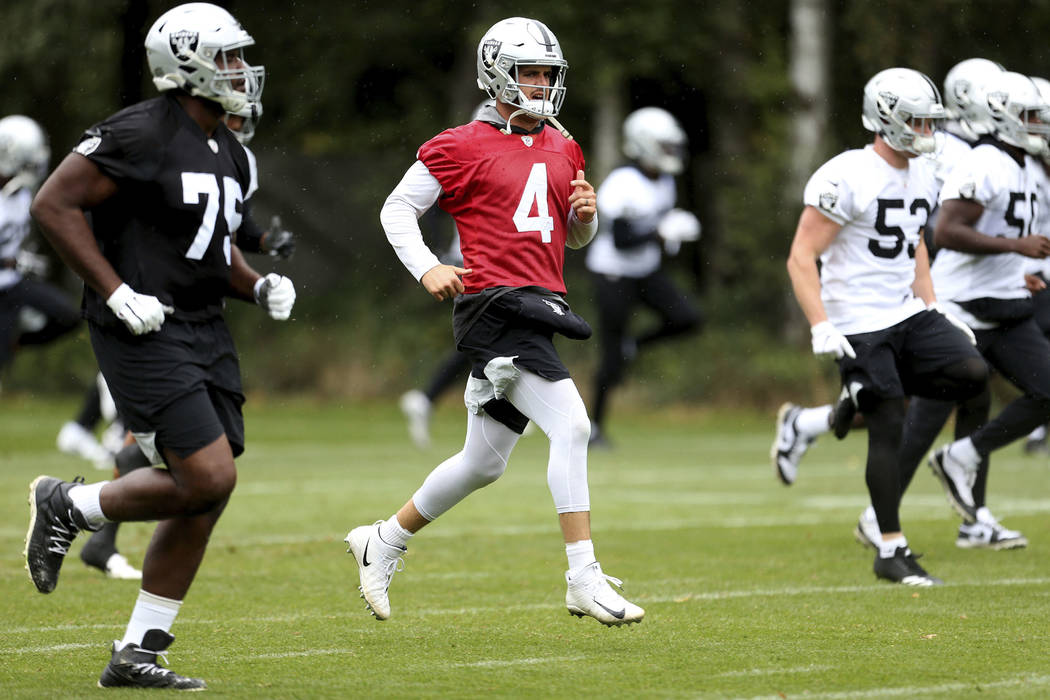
(141, 313)
(828, 341)
(676, 227)
(276, 294)
(955, 321)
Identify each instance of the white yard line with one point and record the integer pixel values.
(918, 691)
(679, 598)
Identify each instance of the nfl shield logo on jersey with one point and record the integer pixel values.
(527, 140)
(183, 43)
(967, 190)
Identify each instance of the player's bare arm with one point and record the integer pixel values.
(815, 233)
(242, 276)
(444, 281)
(955, 231)
(923, 284)
(75, 185)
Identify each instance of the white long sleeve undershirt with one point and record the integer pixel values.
(413, 196)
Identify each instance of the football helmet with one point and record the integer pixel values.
(961, 85)
(24, 153)
(904, 107)
(199, 47)
(1015, 110)
(516, 42)
(250, 115)
(654, 138)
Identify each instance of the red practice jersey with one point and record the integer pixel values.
(509, 195)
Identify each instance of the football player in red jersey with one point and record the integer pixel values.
(513, 180)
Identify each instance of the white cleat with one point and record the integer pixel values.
(867, 531)
(988, 533)
(377, 563)
(957, 479)
(416, 407)
(74, 439)
(589, 593)
(117, 566)
(788, 445)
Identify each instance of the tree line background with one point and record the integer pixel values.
(766, 90)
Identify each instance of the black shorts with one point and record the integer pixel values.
(897, 361)
(182, 382)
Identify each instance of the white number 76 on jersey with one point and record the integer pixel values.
(535, 191)
(196, 184)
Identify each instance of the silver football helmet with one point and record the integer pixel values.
(654, 138)
(904, 107)
(24, 153)
(519, 41)
(199, 48)
(250, 115)
(1015, 110)
(961, 85)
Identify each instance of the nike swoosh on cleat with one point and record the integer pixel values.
(364, 556)
(618, 614)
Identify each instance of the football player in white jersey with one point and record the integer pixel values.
(797, 427)
(871, 303)
(32, 312)
(989, 205)
(639, 219)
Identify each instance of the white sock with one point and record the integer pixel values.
(391, 532)
(152, 612)
(813, 422)
(887, 548)
(85, 499)
(964, 451)
(580, 554)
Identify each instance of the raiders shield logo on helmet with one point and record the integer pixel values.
(890, 99)
(183, 43)
(489, 51)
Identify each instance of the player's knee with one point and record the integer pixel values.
(488, 470)
(210, 489)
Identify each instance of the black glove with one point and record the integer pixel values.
(280, 243)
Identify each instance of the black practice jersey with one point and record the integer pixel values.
(169, 228)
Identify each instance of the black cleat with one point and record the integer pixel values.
(135, 666)
(53, 524)
(902, 568)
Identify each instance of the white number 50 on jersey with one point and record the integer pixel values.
(535, 191)
(196, 184)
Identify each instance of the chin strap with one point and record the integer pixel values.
(554, 122)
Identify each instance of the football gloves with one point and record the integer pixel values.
(141, 313)
(279, 242)
(954, 320)
(828, 341)
(676, 227)
(276, 294)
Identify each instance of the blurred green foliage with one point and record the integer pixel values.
(354, 88)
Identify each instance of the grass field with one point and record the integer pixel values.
(751, 589)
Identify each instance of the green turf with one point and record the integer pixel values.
(751, 589)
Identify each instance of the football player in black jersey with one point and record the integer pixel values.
(163, 183)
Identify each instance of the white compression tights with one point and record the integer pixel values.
(558, 410)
